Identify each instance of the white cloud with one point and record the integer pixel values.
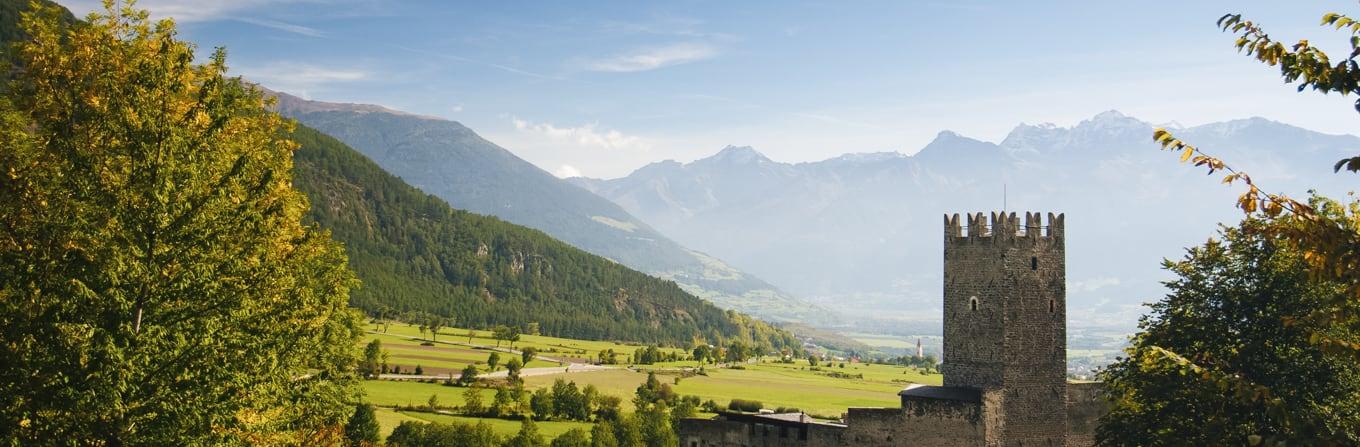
(584, 135)
(456, 108)
(567, 171)
(300, 78)
(654, 58)
(284, 26)
(1093, 284)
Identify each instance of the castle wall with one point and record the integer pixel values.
(729, 433)
(1086, 404)
(1005, 320)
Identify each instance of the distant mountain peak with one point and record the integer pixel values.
(737, 155)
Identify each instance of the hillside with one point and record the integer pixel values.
(415, 253)
(860, 232)
(450, 161)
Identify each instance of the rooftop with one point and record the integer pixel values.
(942, 393)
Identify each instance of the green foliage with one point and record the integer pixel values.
(369, 367)
(602, 435)
(572, 438)
(416, 254)
(472, 401)
(653, 392)
(528, 436)
(453, 434)
(157, 284)
(469, 375)
(362, 428)
(527, 355)
(749, 406)
(1223, 318)
(492, 360)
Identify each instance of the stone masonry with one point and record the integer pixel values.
(1005, 364)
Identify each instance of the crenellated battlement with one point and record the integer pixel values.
(1003, 225)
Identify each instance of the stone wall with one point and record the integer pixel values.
(729, 433)
(1086, 404)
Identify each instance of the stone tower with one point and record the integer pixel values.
(1005, 323)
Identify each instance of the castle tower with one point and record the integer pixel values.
(1005, 322)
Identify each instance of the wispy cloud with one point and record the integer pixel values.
(284, 26)
(300, 78)
(187, 10)
(1093, 284)
(501, 67)
(585, 135)
(654, 58)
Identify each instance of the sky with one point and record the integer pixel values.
(602, 88)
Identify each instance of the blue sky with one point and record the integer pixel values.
(602, 88)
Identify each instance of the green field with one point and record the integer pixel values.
(772, 383)
(566, 349)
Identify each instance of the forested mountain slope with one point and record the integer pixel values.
(452, 162)
(414, 252)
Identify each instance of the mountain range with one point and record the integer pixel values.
(861, 232)
(450, 161)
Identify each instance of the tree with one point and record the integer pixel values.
(436, 323)
(492, 360)
(362, 428)
(512, 369)
(572, 438)
(150, 227)
(469, 375)
(528, 354)
(528, 436)
(433, 402)
(813, 359)
(503, 404)
(472, 402)
(628, 431)
(608, 407)
(602, 434)
(372, 359)
(542, 404)
(531, 328)
(426, 434)
(655, 425)
(701, 353)
(1224, 311)
(1327, 238)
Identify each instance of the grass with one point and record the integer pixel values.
(773, 384)
(388, 393)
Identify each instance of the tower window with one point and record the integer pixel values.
(972, 302)
(1051, 306)
(1033, 263)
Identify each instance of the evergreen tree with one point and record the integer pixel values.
(372, 359)
(160, 287)
(362, 429)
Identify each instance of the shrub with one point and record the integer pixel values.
(749, 406)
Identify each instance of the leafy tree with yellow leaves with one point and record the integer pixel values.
(157, 284)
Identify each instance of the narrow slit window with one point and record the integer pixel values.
(972, 303)
(1051, 306)
(1034, 263)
